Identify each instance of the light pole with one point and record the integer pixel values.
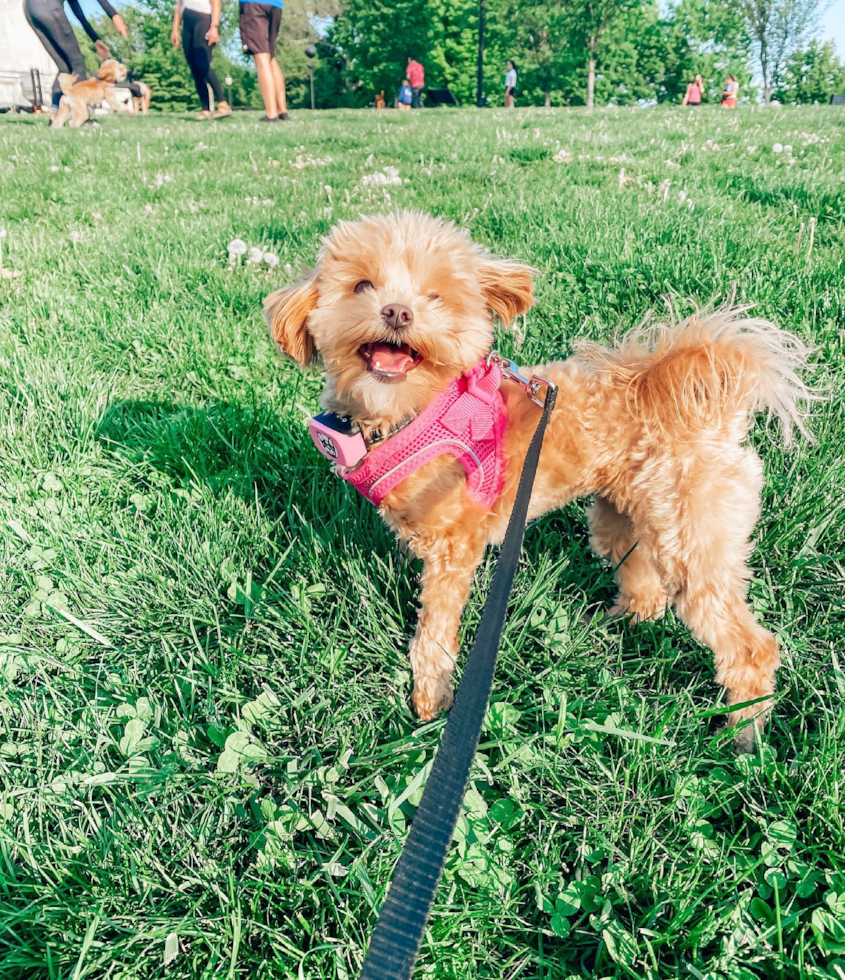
(228, 81)
(479, 91)
(310, 54)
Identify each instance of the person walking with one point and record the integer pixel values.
(259, 22)
(49, 21)
(200, 21)
(695, 91)
(731, 92)
(416, 76)
(510, 85)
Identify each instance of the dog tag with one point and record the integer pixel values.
(338, 439)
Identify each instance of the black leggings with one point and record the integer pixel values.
(49, 21)
(198, 54)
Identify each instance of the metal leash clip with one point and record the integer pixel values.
(531, 386)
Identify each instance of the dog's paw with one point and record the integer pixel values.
(753, 721)
(432, 695)
(638, 608)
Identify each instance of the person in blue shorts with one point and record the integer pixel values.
(259, 23)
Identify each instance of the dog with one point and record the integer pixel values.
(653, 428)
(77, 96)
(141, 96)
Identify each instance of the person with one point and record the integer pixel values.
(695, 91)
(259, 22)
(416, 77)
(406, 94)
(731, 92)
(49, 21)
(510, 85)
(200, 20)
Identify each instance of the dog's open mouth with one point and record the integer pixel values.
(389, 362)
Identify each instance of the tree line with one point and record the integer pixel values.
(585, 52)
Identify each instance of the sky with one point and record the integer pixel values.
(832, 25)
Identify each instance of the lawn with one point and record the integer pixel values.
(208, 762)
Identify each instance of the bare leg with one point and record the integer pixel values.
(446, 581)
(279, 83)
(612, 535)
(267, 84)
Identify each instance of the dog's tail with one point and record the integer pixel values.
(66, 82)
(691, 375)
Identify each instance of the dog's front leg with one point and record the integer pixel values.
(446, 581)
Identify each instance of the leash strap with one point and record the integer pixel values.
(404, 914)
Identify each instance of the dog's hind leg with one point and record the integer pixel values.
(746, 653)
(720, 517)
(613, 536)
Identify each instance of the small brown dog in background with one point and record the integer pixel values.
(654, 428)
(141, 101)
(77, 96)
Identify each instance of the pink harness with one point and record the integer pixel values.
(466, 421)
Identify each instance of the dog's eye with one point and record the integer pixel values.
(434, 296)
(362, 285)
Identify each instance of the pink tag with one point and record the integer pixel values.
(333, 437)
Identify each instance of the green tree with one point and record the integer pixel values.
(812, 74)
(536, 35)
(592, 22)
(707, 38)
(376, 37)
(777, 28)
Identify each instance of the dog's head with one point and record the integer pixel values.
(112, 71)
(397, 307)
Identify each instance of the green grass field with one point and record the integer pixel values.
(208, 763)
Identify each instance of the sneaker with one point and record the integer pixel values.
(269, 119)
(284, 117)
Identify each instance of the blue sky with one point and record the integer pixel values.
(833, 21)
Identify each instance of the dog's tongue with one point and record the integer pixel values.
(390, 358)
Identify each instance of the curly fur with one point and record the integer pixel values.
(654, 428)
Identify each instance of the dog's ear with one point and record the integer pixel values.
(287, 311)
(106, 72)
(507, 287)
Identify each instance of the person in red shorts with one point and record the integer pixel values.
(416, 76)
(259, 22)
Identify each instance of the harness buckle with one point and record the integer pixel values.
(531, 386)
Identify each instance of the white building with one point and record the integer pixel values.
(20, 52)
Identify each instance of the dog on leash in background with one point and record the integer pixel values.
(654, 428)
(77, 96)
(141, 96)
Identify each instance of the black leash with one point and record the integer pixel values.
(403, 917)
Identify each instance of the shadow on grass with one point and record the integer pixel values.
(245, 450)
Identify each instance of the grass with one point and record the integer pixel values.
(208, 763)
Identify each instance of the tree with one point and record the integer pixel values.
(535, 34)
(812, 74)
(591, 22)
(376, 38)
(777, 28)
(707, 38)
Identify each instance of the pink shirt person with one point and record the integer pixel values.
(416, 74)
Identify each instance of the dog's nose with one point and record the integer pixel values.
(397, 316)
